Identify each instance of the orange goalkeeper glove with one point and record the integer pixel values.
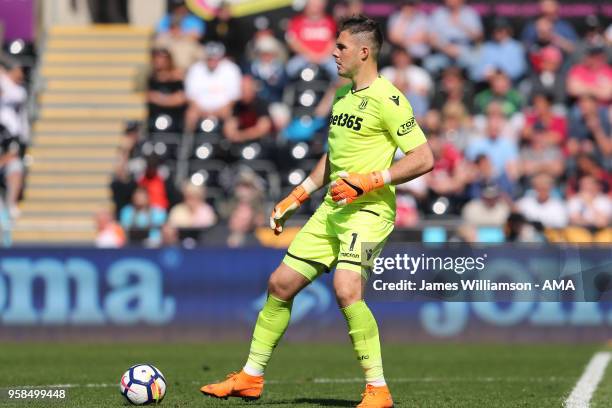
(350, 186)
(286, 207)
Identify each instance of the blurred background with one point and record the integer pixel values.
(170, 128)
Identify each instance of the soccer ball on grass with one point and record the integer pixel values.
(143, 384)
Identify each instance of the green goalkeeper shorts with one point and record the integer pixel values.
(333, 237)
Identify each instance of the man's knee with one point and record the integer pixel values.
(284, 285)
(346, 295)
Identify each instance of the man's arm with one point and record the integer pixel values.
(416, 163)
(350, 186)
(318, 177)
(261, 128)
(320, 174)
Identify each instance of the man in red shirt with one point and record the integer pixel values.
(592, 76)
(311, 36)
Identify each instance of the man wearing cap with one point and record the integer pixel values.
(212, 86)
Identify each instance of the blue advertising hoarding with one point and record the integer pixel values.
(220, 291)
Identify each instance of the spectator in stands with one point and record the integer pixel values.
(183, 49)
(411, 79)
(453, 31)
(239, 231)
(109, 233)
(448, 177)
(590, 208)
(13, 99)
(454, 88)
(194, 211)
(406, 204)
(547, 77)
(550, 29)
(166, 92)
(242, 223)
(513, 124)
(502, 151)
(482, 173)
(189, 25)
(249, 187)
(212, 86)
(169, 236)
(268, 68)
(143, 219)
(225, 29)
(11, 171)
(250, 119)
(155, 184)
(408, 29)
(122, 185)
(587, 165)
(502, 53)
(541, 154)
(540, 205)
(593, 36)
(500, 89)
(490, 209)
(456, 124)
(592, 76)
(518, 229)
(590, 130)
(347, 8)
(542, 122)
(311, 35)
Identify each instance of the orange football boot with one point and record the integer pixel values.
(240, 385)
(376, 397)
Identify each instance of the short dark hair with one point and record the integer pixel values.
(361, 24)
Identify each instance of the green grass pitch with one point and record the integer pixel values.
(310, 375)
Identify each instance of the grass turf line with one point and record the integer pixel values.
(310, 375)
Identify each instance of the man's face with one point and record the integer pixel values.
(542, 187)
(348, 54)
(549, 8)
(212, 62)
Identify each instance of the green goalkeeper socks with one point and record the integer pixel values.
(270, 327)
(364, 335)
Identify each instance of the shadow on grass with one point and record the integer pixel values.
(326, 402)
(322, 402)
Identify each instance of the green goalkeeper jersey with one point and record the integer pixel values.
(366, 128)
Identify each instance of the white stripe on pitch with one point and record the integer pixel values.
(587, 384)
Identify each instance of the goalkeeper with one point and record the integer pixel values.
(370, 119)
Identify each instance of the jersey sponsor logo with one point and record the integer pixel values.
(406, 127)
(363, 104)
(346, 120)
(349, 254)
(395, 99)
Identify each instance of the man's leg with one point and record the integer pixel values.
(349, 286)
(309, 255)
(192, 117)
(283, 285)
(363, 330)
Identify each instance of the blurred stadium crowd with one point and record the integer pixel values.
(518, 115)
